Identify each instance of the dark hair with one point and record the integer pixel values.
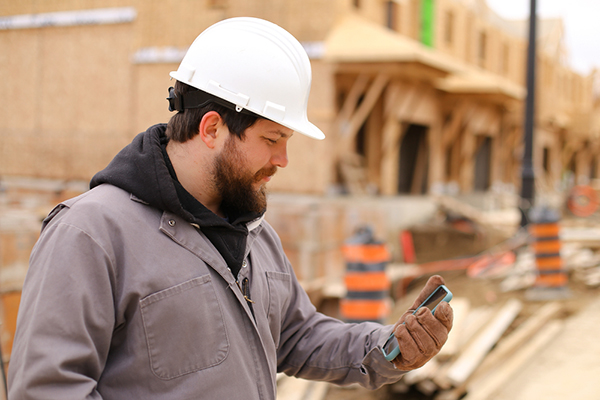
(185, 124)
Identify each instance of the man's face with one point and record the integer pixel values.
(243, 167)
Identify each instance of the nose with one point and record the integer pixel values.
(279, 157)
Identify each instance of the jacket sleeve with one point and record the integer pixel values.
(66, 318)
(315, 346)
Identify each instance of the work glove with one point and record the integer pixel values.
(421, 336)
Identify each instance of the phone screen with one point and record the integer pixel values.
(435, 298)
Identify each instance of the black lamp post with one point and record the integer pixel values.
(527, 174)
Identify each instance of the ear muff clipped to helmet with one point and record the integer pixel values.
(256, 66)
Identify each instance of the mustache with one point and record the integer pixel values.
(263, 173)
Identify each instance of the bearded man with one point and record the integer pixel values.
(164, 281)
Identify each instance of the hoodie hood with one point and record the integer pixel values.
(143, 169)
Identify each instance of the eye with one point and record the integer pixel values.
(270, 141)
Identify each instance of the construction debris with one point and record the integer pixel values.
(483, 353)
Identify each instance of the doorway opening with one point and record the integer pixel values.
(414, 160)
(483, 158)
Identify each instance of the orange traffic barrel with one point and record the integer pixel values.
(544, 230)
(368, 286)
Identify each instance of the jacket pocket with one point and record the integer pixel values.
(279, 299)
(184, 328)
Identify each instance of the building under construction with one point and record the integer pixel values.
(416, 97)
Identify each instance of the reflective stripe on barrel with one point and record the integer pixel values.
(367, 281)
(546, 246)
(359, 310)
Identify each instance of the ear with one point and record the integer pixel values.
(209, 128)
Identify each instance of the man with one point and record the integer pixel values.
(164, 282)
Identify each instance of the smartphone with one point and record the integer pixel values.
(391, 348)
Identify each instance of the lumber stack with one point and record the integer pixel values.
(484, 350)
(583, 262)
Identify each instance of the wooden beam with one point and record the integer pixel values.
(460, 307)
(490, 386)
(508, 346)
(463, 150)
(392, 97)
(358, 88)
(425, 372)
(452, 128)
(351, 118)
(473, 325)
(518, 337)
(472, 356)
(484, 121)
(349, 131)
(410, 102)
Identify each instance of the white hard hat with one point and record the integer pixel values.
(255, 65)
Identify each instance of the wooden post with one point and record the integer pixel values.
(459, 118)
(437, 156)
(373, 148)
(392, 135)
(467, 168)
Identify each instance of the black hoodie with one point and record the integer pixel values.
(143, 169)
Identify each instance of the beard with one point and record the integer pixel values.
(236, 185)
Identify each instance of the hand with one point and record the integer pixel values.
(421, 336)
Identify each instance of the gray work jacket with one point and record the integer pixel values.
(123, 301)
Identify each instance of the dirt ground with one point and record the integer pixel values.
(480, 292)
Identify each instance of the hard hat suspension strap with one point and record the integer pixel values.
(199, 99)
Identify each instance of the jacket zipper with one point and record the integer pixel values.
(245, 289)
